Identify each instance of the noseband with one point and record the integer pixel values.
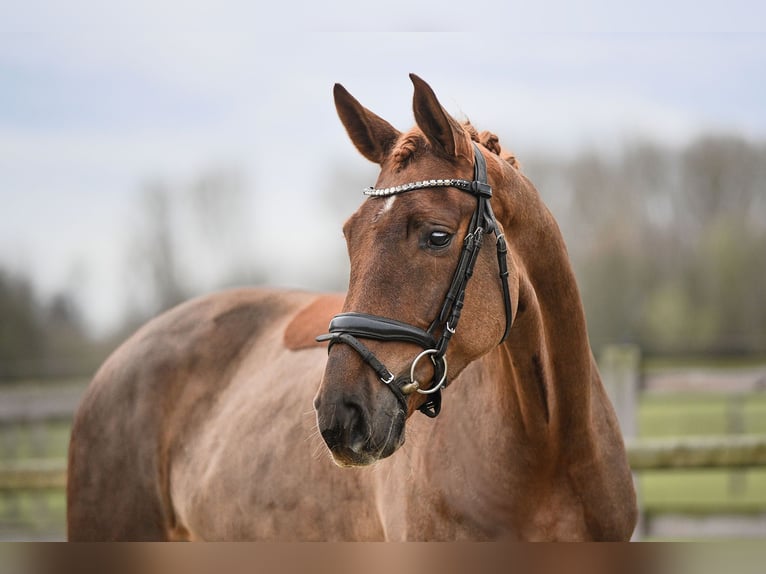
(348, 328)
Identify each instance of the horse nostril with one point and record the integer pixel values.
(350, 414)
(348, 428)
(332, 436)
(356, 428)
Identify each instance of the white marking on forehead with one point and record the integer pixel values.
(387, 204)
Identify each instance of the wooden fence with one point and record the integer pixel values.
(621, 367)
(745, 451)
(33, 474)
(728, 452)
(34, 432)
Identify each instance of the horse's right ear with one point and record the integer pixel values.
(373, 136)
(439, 127)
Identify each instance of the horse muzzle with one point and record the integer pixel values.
(353, 436)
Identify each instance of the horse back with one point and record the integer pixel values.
(151, 396)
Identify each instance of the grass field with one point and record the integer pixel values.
(686, 414)
(33, 515)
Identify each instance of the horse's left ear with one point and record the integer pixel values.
(372, 135)
(441, 129)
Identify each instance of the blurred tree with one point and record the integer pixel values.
(668, 244)
(719, 175)
(157, 248)
(21, 332)
(189, 239)
(41, 338)
(219, 230)
(69, 351)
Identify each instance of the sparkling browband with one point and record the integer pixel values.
(463, 184)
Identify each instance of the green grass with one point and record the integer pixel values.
(39, 514)
(704, 491)
(20, 441)
(688, 414)
(33, 515)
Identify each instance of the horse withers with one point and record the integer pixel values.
(461, 305)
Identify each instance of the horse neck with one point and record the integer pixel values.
(547, 356)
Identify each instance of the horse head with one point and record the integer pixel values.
(426, 249)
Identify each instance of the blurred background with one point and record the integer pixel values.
(149, 153)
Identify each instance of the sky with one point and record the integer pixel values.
(97, 99)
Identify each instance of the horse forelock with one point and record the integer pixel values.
(404, 150)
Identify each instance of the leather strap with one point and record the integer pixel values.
(385, 376)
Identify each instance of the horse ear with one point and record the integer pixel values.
(440, 128)
(373, 136)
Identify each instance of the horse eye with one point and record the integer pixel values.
(439, 239)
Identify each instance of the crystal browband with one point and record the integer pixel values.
(470, 186)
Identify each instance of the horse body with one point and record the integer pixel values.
(201, 426)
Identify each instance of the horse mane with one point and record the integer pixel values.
(404, 149)
(492, 143)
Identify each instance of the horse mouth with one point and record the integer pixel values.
(349, 456)
(346, 458)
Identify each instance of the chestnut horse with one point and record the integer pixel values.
(201, 427)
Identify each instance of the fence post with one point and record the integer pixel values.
(620, 367)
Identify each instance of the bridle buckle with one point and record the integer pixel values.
(481, 188)
(388, 380)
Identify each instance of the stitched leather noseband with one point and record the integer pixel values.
(348, 328)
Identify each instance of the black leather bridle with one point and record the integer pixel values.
(348, 328)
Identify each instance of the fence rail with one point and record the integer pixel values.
(33, 474)
(741, 451)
